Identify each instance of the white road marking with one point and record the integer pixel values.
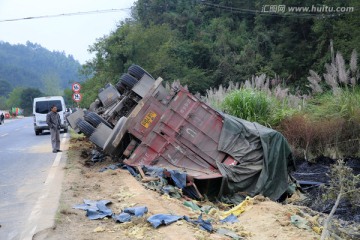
(36, 211)
(4, 135)
(17, 129)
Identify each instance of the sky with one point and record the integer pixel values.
(71, 34)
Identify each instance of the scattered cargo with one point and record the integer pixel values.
(142, 123)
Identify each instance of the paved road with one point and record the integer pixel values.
(30, 179)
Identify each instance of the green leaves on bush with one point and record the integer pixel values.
(248, 104)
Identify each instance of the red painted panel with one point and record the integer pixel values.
(183, 135)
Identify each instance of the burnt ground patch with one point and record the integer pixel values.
(312, 176)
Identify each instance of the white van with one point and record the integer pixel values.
(41, 107)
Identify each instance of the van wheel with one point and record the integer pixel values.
(86, 128)
(94, 119)
(37, 133)
(128, 81)
(137, 72)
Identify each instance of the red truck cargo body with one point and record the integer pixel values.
(181, 135)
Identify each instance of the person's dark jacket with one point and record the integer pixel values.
(53, 120)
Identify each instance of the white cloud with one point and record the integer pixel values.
(72, 34)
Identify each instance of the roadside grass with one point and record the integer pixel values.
(76, 143)
(75, 135)
(62, 212)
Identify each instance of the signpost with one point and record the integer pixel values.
(76, 95)
(76, 87)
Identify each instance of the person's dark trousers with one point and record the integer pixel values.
(55, 139)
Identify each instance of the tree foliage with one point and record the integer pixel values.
(26, 99)
(30, 65)
(207, 43)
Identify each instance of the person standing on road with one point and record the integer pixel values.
(2, 117)
(54, 123)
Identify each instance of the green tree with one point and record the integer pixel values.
(5, 88)
(68, 97)
(14, 99)
(26, 99)
(3, 103)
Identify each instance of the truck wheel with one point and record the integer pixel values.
(120, 87)
(94, 119)
(137, 72)
(128, 81)
(37, 133)
(85, 127)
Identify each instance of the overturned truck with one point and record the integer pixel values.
(142, 123)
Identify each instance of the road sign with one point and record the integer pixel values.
(77, 97)
(76, 87)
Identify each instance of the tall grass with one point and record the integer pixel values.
(258, 99)
(326, 122)
(251, 105)
(345, 104)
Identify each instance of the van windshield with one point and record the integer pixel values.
(44, 106)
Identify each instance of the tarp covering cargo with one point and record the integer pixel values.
(264, 158)
(149, 125)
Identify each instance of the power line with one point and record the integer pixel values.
(66, 14)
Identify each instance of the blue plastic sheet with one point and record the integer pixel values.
(111, 167)
(95, 209)
(137, 211)
(163, 219)
(154, 171)
(130, 169)
(203, 224)
(230, 219)
(129, 213)
(122, 217)
(178, 178)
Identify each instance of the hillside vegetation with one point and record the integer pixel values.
(31, 71)
(207, 43)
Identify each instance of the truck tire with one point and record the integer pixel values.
(128, 81)
(86, 128)
(137, 72)
(94, 119)
(120, 87)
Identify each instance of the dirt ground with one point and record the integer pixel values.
(262, 219)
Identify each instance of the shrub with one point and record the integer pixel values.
(249, 104)
(313, 137)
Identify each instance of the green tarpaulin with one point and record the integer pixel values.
(263, 156)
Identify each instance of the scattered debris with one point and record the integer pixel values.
(95, 209)
(237, 210)
(137, 211)
(228, 233)
(111, 167)
(230, 219)
(203, 224)
(205, 153)
(163, 219)
(129, 213)
(299, 222)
